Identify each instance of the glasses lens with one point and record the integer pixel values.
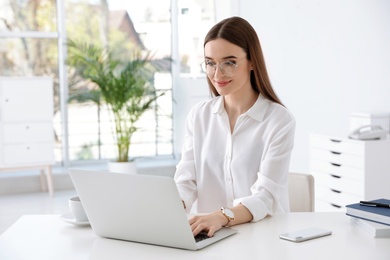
(227, 68)
(207, 68)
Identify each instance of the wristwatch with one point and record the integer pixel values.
(228, 213)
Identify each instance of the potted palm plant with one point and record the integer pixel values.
(126, 87)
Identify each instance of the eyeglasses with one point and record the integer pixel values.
(228, 68)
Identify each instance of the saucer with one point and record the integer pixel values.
(68, 218)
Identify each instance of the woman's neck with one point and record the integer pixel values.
(236, 105)
(239, 104)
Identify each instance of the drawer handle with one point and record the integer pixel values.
(338, 153)
(336, 164)
(336, 191)
(335, 141)
(336, 206)
(335, 176)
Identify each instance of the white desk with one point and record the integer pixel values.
(47, 237)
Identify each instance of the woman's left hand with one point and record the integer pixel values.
(211, 223)
(216, 220)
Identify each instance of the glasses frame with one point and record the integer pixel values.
(203, 67)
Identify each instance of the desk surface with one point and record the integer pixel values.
(47, 237)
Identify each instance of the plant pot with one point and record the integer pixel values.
(122, 167)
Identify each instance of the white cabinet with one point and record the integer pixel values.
(347, 171)
(26, 124)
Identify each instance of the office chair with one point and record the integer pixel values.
(301, 192)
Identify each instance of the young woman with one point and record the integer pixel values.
(238, 145)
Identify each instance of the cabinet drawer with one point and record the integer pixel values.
(340, 184)
(337, 169)
(337, 157)
(337, 145)
(335, 198)
(26, 99)
(28, 133)
(28, 153)
(321, 205)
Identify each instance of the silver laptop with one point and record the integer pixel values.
(138, 208)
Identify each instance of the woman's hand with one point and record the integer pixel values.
(211, 223)
(216, 220)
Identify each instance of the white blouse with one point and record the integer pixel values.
(249, 166)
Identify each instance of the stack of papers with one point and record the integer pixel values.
(373, 228)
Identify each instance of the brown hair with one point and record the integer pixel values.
(239, 32)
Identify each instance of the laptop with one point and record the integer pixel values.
(138, 208)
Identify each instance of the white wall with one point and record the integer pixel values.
(326, 59)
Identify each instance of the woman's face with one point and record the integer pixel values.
(234, 77)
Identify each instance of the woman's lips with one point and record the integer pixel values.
(221, 84)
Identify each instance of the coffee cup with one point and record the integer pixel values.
(77, 210)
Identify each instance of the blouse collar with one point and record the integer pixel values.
(257, 111)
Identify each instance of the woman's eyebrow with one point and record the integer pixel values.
(229, 57)
(224, 58)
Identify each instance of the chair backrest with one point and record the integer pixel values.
(301, 192)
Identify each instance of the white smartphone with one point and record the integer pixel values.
(305, 234)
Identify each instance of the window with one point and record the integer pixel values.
(29, 46)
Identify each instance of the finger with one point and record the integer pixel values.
(193, 219)
(194, 225)
(198, 229)
(211, 232)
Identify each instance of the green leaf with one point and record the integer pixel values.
(126, 86)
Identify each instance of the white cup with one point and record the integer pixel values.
(77, 210)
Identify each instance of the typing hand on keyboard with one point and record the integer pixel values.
(201, 236)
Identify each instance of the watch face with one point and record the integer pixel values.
(229, 213)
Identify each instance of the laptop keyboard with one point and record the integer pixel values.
(201, 236)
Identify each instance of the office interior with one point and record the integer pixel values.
(326, 60)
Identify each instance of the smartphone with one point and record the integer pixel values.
(305, 234)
